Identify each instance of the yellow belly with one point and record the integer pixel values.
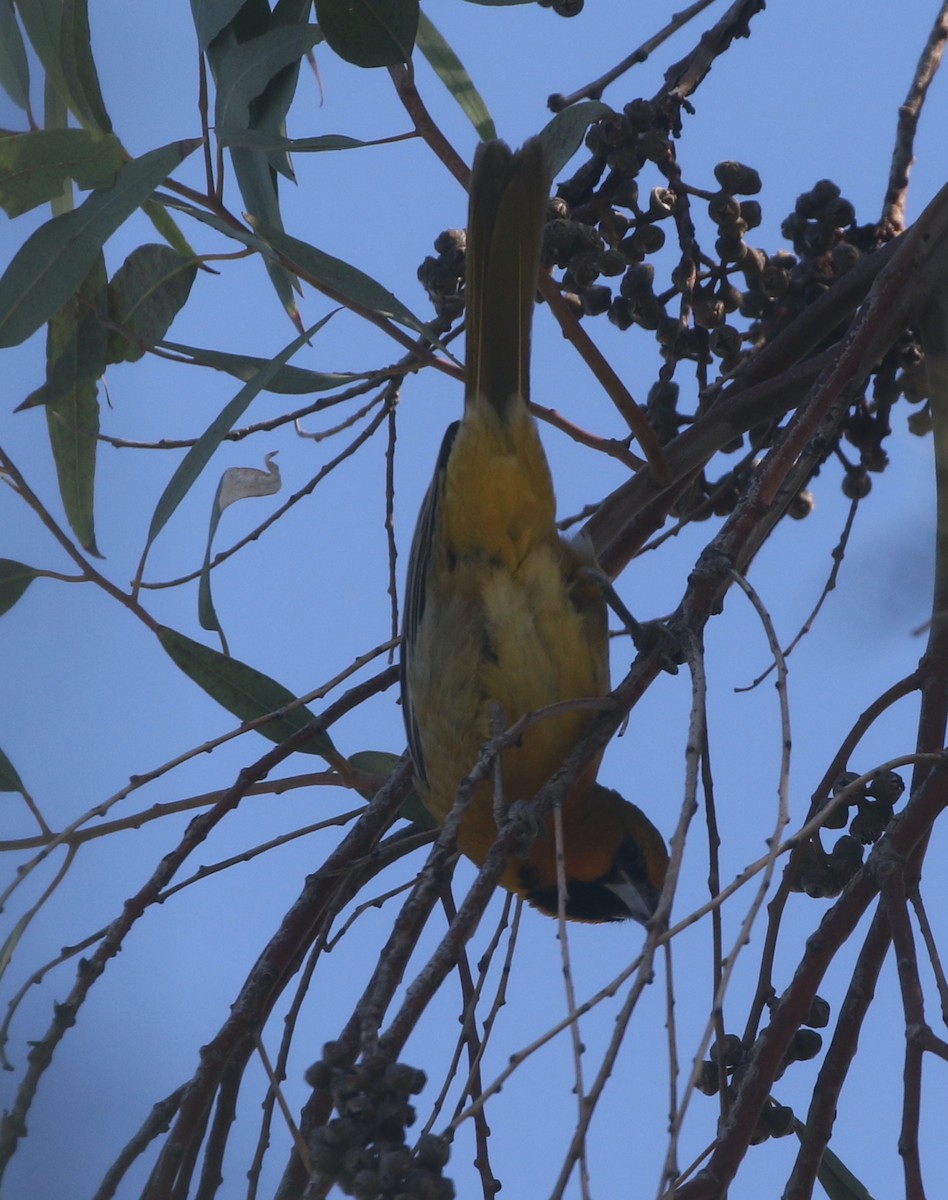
(517, 640)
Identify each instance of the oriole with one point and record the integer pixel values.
(500, 610)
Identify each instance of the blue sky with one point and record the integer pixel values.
(90, 699)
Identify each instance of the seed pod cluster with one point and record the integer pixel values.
(728, 1060)
(363, 1149)
(867, 813)
(629, 238)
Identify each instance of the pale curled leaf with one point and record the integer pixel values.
(236, 483)
(200, 453)
(240, 483)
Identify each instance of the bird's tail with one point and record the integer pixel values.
(508, 201)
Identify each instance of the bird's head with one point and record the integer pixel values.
(615, 862)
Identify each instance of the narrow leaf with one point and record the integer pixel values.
(261, 140)
(369, 33)
(145, 294)
(241, 689)
(35, 166)
(14, 67)
(42, 20)
(54, 260)
(210, 17)
(167, 227)
(200, 453)
(15, 578)
(243, 69)
(565, 133)
(12, 940)
(288, 381)
(835, 1178)
(75, 54)
(450, 70)
(342, 279)
(75, 357)
(377, 762)
(10, 781)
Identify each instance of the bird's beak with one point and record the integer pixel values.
(641, 899)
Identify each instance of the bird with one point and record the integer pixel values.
(503, 615)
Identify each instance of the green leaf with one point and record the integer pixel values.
(210, 17)
(261, 140)
(167, 227)
(344, 281)
(450, 70)
(12, 940)
(565, 133)
(256, 79)
(835, 1178)
(42, 20)
(56, 258)
(75, 358)
(369, 33)
(376, 762)
(10, 781)
(35, 166)
(288, 381)
(59, 32)
(200, 453)
(244, 69)
(145, 294)
(14, 67)
(241, 689)
(15, 578)
(75, 53)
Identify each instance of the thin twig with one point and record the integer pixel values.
(903, 153)
(594, 90)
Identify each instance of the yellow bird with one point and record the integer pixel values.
(501, 614)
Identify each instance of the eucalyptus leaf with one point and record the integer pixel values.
(564, 135)
(288, 381)
(260, 139)
(35, 166)
(75, 356)
(10, 781)
(57, 257)
(200, 453)
(450, 70)
(242, 689)
(78, 65)
(145, 295)
(14, 66)
(369, 33)
(244, 69)
(210, 17)
(341, 279)
(15, 578)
